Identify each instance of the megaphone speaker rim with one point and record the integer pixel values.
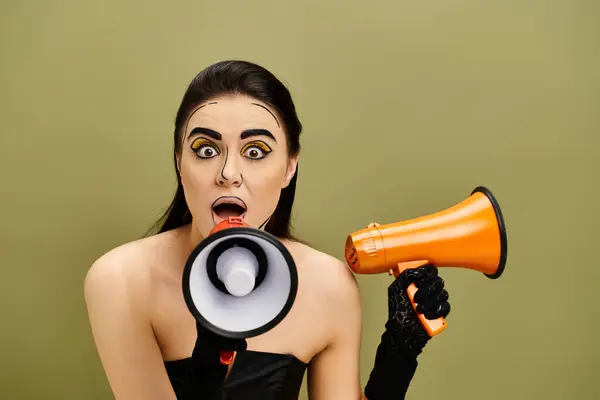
(501, 227)
(258, 330)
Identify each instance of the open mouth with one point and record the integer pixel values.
(226, 207)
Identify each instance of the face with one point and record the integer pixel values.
(234, 162)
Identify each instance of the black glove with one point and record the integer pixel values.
(405, 337)
(209, 373)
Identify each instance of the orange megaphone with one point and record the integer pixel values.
(469, 235)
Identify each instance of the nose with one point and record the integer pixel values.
(229, 174)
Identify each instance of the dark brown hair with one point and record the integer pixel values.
(236, 77)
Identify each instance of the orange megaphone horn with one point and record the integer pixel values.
(469, 235)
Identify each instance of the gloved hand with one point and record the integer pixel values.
(209, 373)
(405, 337)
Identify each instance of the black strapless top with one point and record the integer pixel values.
(254, 375)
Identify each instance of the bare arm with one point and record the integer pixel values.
(116, 303)
(335, 372)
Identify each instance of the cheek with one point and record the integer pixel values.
(267, 178)
(196, 179)
(264, 186)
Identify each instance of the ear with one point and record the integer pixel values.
(290, 171)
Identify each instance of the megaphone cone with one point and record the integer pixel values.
(470, 235)
(239, 282)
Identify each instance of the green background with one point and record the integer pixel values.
(407, 106)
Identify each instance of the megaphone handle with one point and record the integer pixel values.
(432, 327)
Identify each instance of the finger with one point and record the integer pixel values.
(206, 335)
(429, 304)
(428, 289)
(416, 275)
(441, 311)
(241, 345)
(233, 344)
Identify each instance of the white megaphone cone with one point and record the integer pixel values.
(239, 282)
(237, 268)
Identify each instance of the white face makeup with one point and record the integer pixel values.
(234, 162)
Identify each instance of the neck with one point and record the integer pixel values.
(191, 236)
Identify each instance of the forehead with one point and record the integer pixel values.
(233, 114)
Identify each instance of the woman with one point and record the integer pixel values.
(236, 150)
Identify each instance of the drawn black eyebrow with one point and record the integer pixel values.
(207, 104)
(260, 105)
(194, 112)
(206, 131)
(257, 132)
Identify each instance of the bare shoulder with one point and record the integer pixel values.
(117, 290)
(118, 266)
(125, 271)
(331, 277)
(334, 371)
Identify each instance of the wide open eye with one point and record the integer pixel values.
(205, 149)
(256, 150)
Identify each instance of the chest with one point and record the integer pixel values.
(301, 333)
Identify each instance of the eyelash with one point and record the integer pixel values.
(261, 145)
(197, 145)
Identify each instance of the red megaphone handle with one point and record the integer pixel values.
(432, 327)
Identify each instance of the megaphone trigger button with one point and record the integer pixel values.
(226, 357)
